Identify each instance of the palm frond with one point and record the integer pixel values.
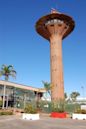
(10, 66)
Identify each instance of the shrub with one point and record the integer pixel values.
(58, 106)
(6, 112)
(30, 109)
(81, 111)
(70, 108)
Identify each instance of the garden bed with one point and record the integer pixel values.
(58, 114)
(79, 116)
(27, 116)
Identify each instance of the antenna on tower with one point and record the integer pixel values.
(53, 10)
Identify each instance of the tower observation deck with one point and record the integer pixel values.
(54, 27)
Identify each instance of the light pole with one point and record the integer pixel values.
(82, 87)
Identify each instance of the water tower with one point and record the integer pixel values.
(55, 27)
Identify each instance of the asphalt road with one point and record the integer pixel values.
(13, 122)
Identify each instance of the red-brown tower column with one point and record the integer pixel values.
(54, 27)
(56, 67)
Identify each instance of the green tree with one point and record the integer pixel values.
(74, 95)
(7, 71)
(47, 87)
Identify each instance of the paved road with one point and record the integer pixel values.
(12, 122)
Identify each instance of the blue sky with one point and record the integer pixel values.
(21, 46)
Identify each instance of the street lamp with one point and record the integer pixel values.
(82, 87)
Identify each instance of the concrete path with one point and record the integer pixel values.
(13, 122)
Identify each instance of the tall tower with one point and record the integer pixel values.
(54, 27)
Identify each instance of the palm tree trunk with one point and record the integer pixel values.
(4, 96)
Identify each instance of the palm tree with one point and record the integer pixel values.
(47, 87)
(7, 71)
(74, 95)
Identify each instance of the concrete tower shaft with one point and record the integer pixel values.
(55, 27)
(56, 68)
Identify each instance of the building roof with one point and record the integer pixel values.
(21, 86)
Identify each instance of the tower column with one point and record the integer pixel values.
(57, 82)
